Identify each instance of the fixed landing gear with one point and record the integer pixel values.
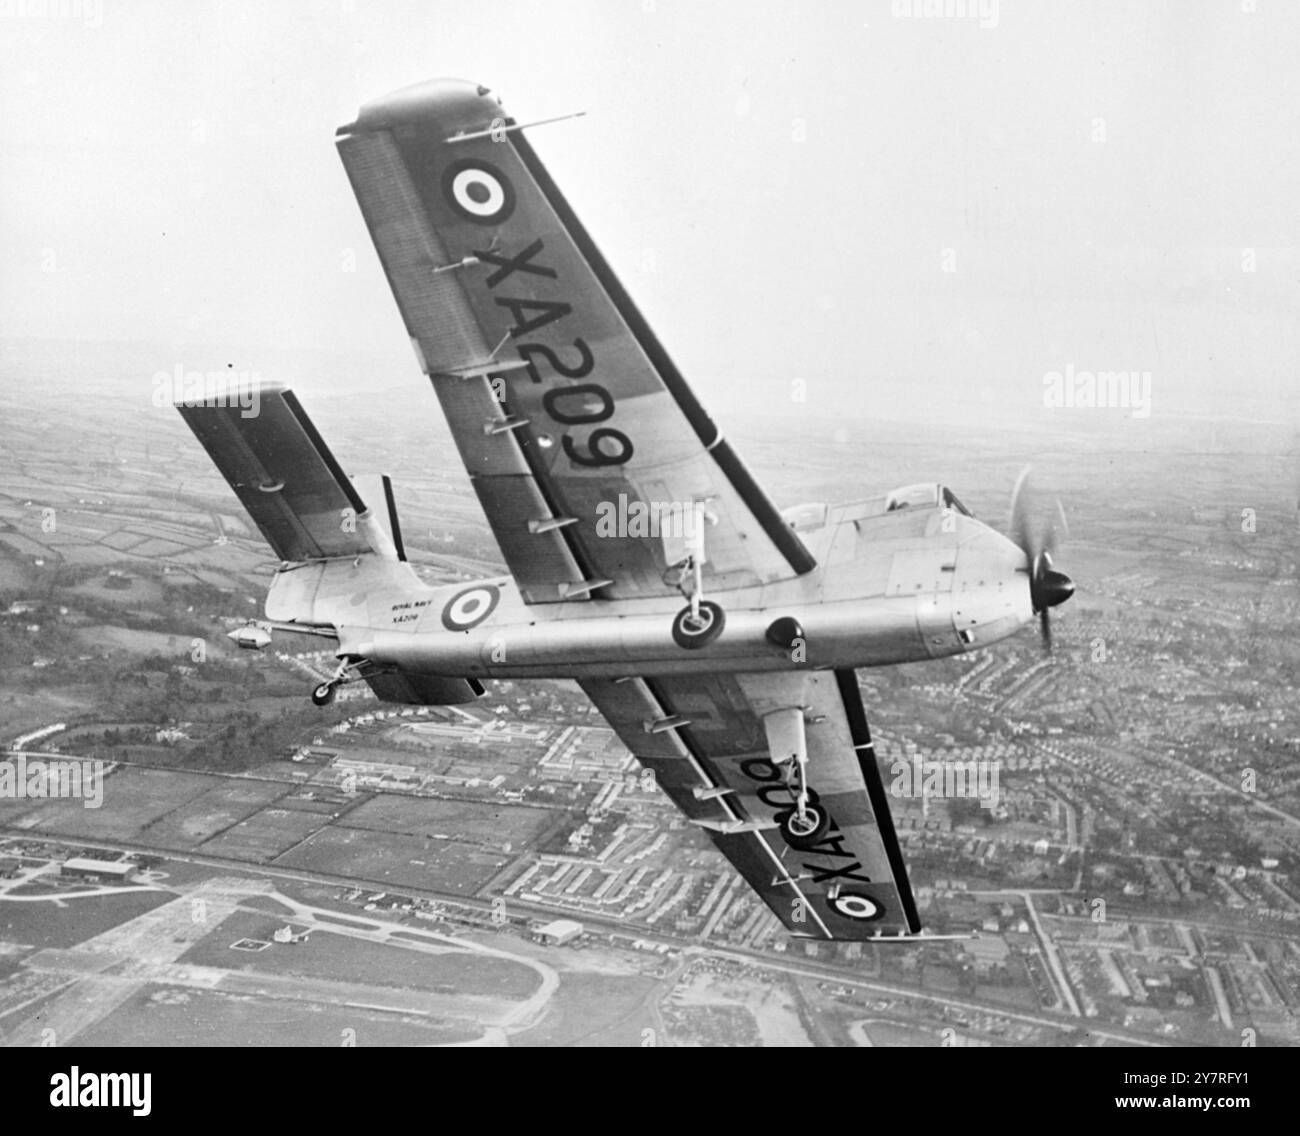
(804, 826)
(698, 625)
(701, 621)
(805, 822)
(348, 671)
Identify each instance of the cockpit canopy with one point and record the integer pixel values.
(924, 495)
(803, 518)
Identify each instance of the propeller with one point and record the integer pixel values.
(1037, 534)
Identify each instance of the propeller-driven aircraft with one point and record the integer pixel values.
(717, 635)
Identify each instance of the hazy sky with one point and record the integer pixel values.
(1117, 183)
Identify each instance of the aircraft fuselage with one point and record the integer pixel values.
(891, 587)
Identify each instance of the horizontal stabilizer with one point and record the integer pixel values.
(306, 507)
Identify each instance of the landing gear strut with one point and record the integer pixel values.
(805, 823)
(323, 694)
(701, 621)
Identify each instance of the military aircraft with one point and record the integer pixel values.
(717, 635)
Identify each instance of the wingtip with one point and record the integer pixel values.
(453, 104)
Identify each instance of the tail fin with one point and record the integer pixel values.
(306, 507)
(377, 490)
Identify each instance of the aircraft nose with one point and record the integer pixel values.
(991, 593)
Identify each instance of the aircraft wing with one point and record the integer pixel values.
(594, 462)
(703, 737)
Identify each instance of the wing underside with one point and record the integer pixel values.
(703, 737)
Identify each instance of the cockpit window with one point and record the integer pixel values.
(922, 496)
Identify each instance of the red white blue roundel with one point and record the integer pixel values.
(471, 607)
(855, 905)
(478, 191)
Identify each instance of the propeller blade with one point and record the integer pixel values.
(1060, 525)
(1037, 535)
(1019, 522)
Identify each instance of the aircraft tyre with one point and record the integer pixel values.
(691, 635)
(804, 834)
(323, 695)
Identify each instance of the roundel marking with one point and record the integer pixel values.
(471, 607)
(855, 905)
(478, 191)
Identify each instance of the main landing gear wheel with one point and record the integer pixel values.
(804, 832)
(693, 634)
(323, 695)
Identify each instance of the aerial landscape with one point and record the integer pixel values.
(260, 870)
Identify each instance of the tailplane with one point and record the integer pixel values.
(306, 507)
(337, 537)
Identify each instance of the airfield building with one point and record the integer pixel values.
(100, 871)
(559, 932)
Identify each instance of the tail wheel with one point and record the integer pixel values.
(323, 695)
(692, 634)
(804, 832)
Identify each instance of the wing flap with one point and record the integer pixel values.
(514, 500)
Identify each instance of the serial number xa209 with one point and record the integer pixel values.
(577, 404)
(481, 193)
(1185, 1078)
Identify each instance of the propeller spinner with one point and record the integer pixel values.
(1038, 537)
